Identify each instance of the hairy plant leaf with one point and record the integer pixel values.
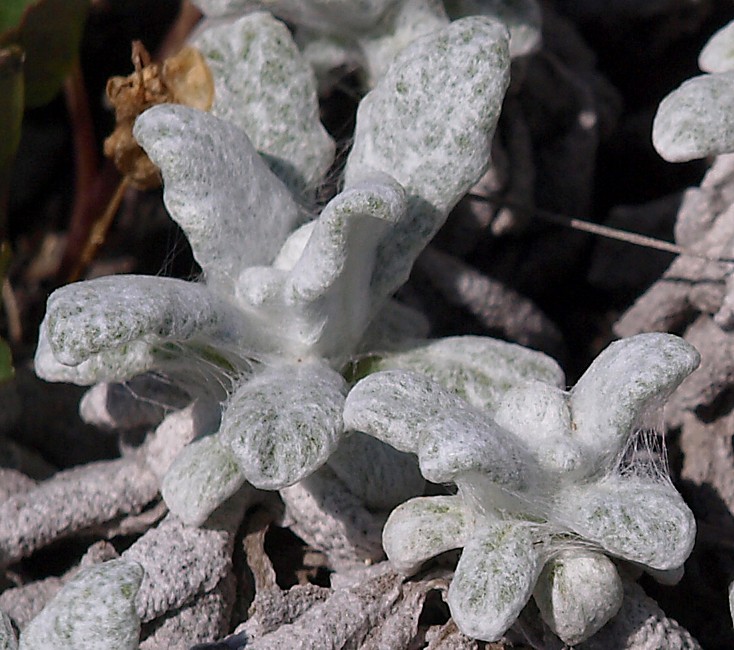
(636, 519)
(95, 610)
(428, 123)
(200, 479)
(577, 593)
(49, 32)
(494, 579)
(718, 54)
(234, 210)
(264, 86)
(627, 379)
(285, 423)
(695, 120)
(477, 368)
(422, 528)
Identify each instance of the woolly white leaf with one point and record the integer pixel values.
(322, 303)
(393, 326)
(626, 380)
(7, 633)
(200, 479)
(429, 123)
(234, 210)
(263, 85)
(718, 54)
(107, 313)
(577, 593)
(379, 475)
(285, 423)
(522, 17)
(332, 276)
(394, 406)
(411, 412)
(477, 368)
(410, 20)
(95, 610)
(538, 414)
(494, 580)
(635, 519)
(696, 120)
(423, 527)
(111, 365)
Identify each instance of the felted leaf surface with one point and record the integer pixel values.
(394, 406)
(522, 17)
(381, 476)
(49, 32)
(695, 120)
(95, 610)
(477, 368)
(422, 528)
(264, 86)
(429, 123)
(234, 210)
(332, 276)
(411, 412)
(285, 423)
(628, 378)
(635, 519)
(577, 593)
(200, 479)
(494, 579)
(106, 313)
(718, 54)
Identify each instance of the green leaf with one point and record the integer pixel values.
(11, 116)
(6, 362)
(49, 31)
(11, 11)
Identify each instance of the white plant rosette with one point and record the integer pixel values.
(543, 492)
(283, 305)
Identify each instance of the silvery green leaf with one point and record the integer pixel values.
(718, 53)
(411, 412)
(477, 368)
(86, 318)
(494, 579)
(410, 20)
(626, 380)
(331, 280)
(428, 123)
(285, 423)
(537, 413)
(695, 120)
(234, 210)
(394, 406)
(636, 519)
(323, 302)
(118, 364)
(264, 86)
(577, 593)
(201, 478)
(329, 55)
(422, 528)
(95, 610)
(8, 641)
(378, 474)
(522, 17)
(392, 327)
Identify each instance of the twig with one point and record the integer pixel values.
(603, 231)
